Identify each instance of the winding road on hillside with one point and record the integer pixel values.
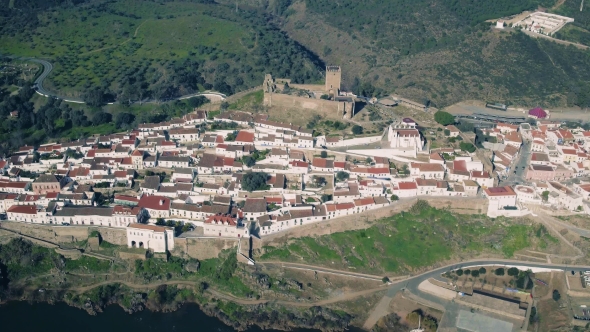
(48, 67)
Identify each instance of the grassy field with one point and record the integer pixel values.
(249, 101)
(104, 44)
(408, 241)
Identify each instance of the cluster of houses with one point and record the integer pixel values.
(179, 170)
(558, 170)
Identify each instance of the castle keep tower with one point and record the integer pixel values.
(333, 79)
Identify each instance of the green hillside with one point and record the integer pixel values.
(442, 51)
(164, 49)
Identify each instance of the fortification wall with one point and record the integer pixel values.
(67, 234)
(465, 205)
(202, 248)
(288, 101)
(311, 87)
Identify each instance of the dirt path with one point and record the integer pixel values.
(326, 270)
(559, 41)
(229, 297)
(558, 4)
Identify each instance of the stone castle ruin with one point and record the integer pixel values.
(322, 97)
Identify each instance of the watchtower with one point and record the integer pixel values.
(333, 79)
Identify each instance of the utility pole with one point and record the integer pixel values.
(237, 6)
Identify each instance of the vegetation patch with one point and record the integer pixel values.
(406, 242)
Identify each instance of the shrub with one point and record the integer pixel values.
(467, 147)
(357, 130)
(254, 181)
(394, 197)
(447, 132)
(342, 175)
(324, 154)
(444, 118)
(385, 280)
(556, 296)
(512, 271)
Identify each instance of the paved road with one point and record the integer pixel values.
(519, 166)
(48, 67)
(411, 284)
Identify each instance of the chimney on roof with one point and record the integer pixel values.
(162, 202)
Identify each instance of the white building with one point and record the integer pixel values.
(156, 238)
(500, 197)
(224, 226)
(402, 137)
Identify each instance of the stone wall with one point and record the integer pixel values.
(310, 87)
(132, 256)
(112, 235)
(203, 248)
(462, 205)
(69, 253)
(67, 234)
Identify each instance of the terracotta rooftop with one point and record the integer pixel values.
(500, 191)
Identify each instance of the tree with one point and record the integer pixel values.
(254, 181)
(444, 118)
(545, 195)
(94, 97)
(467, 272)
(100, 118)
(475, 273)
(324, 154)
(342, 175)
(249, 161)
(459, 272)
(394, 197)
(447, 132)
(326, 197)
(467, 147)
(556, 296)
(499, 271)
(482, 270)
(78, 118)
(385, 280)
(124, 120)
(197, 101)
(357, 130)
(512, 271)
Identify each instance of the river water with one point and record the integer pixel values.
(43, 317)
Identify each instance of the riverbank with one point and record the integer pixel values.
(16, 317)
(169, 299)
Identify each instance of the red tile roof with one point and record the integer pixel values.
(120, 174)
(500, 191)
(364, 201)
(221, 220)
(154, 202)
(298, 163)
(28, 209)
(245, 136)
(407, 185)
